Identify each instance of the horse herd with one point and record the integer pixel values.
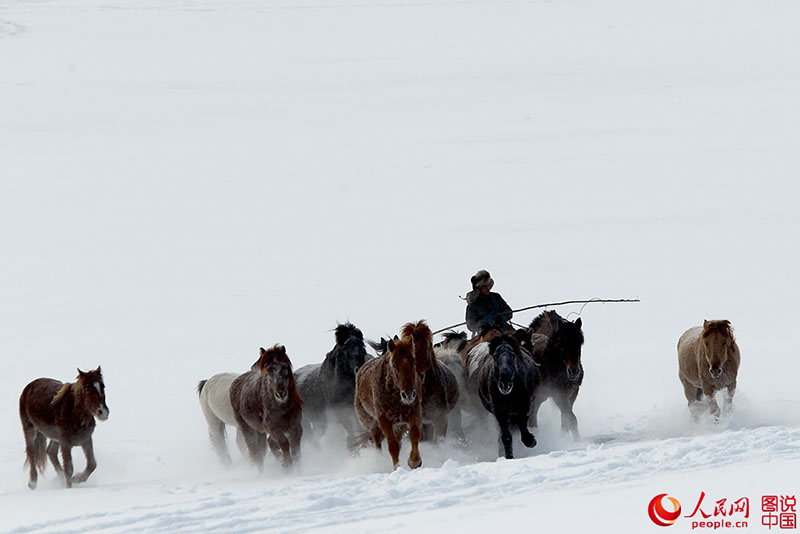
(412, 387)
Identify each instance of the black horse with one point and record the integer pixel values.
(504, 377)
(328, 388)
(556, 346)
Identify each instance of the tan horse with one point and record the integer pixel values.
(708, 361)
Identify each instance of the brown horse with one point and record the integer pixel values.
(63, 413)
(708, 360)
(556, 346)
(268, 409)
(438, 385)
(387, 399)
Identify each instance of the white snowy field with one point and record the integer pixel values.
(184, 181)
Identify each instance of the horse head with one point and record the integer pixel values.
(351, 350)
(568, 339)
(505, 352)
(421, 336)
(92, 389)
(717, 339)
(276, 372)
(565, 339)
(403, 368)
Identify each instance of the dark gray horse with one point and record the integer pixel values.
(556, 347)
(328, 388)
(503, 377)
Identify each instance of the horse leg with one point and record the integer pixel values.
(295, 435)
(349, 424)
(533, 419)
(91, 463)
(414, 434)
(528, 438)
(693, 396)
(240, 443)
(711, 402)
(569, 423)
(729, 392)
(391, 440)
(216, 432)
(377, 435)
(506, 446)
(52, 453)
(66, 458)
(454, 420)
(283, 443)
(255, 442)
(274, 448)
(440, 426)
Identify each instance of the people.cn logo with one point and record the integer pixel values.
(660, 515)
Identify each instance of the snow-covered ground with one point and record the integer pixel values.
(184, 181)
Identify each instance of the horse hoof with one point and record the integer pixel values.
(529, 441)
(32, 484)
(414, 465)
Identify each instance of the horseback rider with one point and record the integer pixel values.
(486, 309)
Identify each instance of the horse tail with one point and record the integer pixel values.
(359, 441)
(36, 454)
(200, 386)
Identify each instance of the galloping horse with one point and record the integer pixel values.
(438, 384)
(708, 360)
(387, 399)
(329, 388)
(215, 402)
(556, 347)
(267, 408)
(63, 413)
(504, 378)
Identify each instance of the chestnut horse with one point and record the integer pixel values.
(438, 384)
(708, 360)
(268, 409)
(387, 399)
(63, 413)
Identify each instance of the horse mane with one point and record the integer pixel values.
(63, 391)
(721, 327)
(549, 323)
(546, 323)
(455, 340)
(380, 347)
(346, 331)
(496, 341)
(420, 332)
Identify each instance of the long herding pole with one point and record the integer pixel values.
(546, 306)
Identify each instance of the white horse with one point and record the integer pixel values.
(215, 401)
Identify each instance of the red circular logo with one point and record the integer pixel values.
(660, 515)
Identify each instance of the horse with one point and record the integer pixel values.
(268, 409)
(330, 387)
(387, 399)
(65, 414)
(438, 384)
(556, 346)
(708, 361)
(447, 352)
(504, 379)
(215, 402)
